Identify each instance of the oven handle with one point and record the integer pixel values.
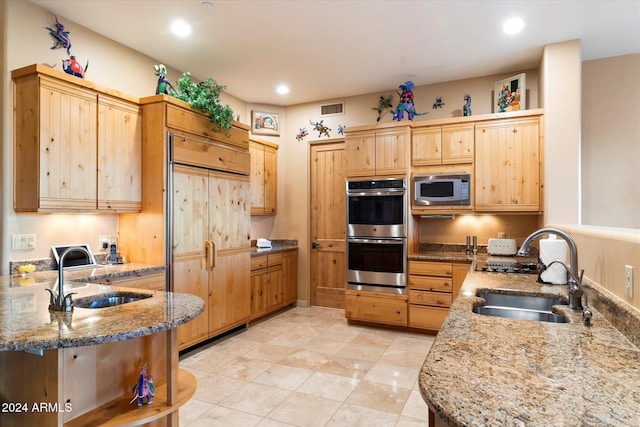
(398, 192)
(390, 241)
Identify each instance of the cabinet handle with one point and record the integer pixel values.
(210, 254)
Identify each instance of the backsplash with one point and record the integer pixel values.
(46, 264)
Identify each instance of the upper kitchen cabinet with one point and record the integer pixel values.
(377, 151)
(76, 145)
(439, 145)
(508, 165)
(264, 177)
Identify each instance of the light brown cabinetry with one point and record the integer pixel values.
(508, 165)
(201, 229)
(438, 145)
(377, 152)
(152, 281)
(375, 307)
(76, 145)
(432, 288)
(264, 177)
(273, 282)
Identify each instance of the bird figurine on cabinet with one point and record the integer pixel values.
(163, 85)
(466, 109)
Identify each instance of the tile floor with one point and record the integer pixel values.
(308, 367)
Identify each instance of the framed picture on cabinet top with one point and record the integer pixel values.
(265, 123)
(510, 94)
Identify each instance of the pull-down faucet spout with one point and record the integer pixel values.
(575, 288)
(62, 302)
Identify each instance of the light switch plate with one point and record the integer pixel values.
(628, 280)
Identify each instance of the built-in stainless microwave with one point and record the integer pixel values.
(442, 190)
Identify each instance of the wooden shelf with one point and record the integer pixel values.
(120, 412)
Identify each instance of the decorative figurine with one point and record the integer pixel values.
(383, 104)
(406, 103)
(341, 129)
(320, 128)
(60, 36)
(303, 132)
(73, 67)
(163, 85)
(466, 109)
(438, 103)
(144, 388)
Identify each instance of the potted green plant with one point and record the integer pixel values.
(205, 96)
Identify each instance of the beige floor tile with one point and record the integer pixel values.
(354, 350)
(244, 368)
(238, 345)
(291, 340)
(266, 422)
(301, 409)
(416, 407)
(411, 422)
(357, 416)
(346, 367)
(325, 345)
(381, 397)
(407, 359)
(392, 375)
(285, 377)
(329, 386)
(270, 352)
(215, 388)
(191, 410)
(208, 361)
(256, 399)
(306, 359)
(219, 416)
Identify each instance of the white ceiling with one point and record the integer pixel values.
(335, 48)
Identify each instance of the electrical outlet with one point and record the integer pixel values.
(103, 243)
(628, 280)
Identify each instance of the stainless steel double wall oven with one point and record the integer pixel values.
(377, 235)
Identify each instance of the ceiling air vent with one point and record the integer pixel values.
(332, 109)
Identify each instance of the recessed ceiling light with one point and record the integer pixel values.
(513, 25)
(207, 4)
(180, 28)
(282, 89)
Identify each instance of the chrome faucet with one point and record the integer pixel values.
(575, 284)
(63, 302)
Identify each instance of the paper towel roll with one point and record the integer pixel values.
(552, 249)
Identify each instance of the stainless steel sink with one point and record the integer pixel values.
(523, 307)
(111, 299)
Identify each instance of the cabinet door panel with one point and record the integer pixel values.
(360, 154)
(457, 144)
(190, 277)
(229, 210)
(271, 181)
(68, 149)
(190, 210)
(230, 292)
(426, 147)
(290, 277)
(119, 155)
(391, 152)
(257, 178)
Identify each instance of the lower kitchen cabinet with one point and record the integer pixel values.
(156, 281)
(273, 282)
(230, 292)
(432, 288)
(390, 309)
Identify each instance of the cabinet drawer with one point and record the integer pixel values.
(438, 299)
(190, 151)
(375, 308)
(274, 259)
(427, 268)
(441, 284)
(258, 262)
(426, 317)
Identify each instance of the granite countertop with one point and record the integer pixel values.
(27, 324)
(492, 371)
(276, 246)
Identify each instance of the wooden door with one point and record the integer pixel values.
(257, 178)
(328, 224)
(289, 277)
(229, 211)
(271, 180)
(230, 298)
(426, 146)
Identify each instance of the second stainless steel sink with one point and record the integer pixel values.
(523, 307)
(111, 299)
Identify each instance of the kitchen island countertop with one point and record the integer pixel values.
(27, 324)
(492, 371)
